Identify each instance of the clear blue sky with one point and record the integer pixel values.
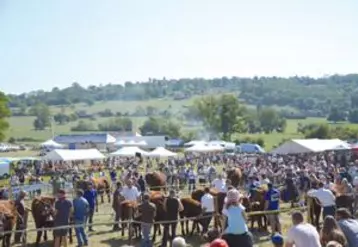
(48, 43)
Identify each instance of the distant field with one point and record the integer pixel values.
(21, 127)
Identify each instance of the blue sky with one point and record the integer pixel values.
(48, 43)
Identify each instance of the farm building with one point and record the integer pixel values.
(86, 141)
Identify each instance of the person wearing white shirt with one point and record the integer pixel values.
(302, 234)
(130, 192)
(208, 206)
(219, 183)
(326, 198)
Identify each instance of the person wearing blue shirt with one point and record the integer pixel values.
(272, 203)
(80, 212)
(91, 196)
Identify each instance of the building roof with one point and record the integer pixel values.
(83, 138)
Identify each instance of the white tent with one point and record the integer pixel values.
(51, 144)
(129, 152)
(68, 155)
(131, 143)
(161, 152)
(310, 145)
(204, 148)
(193, 143)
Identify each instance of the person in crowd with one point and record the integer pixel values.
(326, 198)
(302, 234)
(130, 192)
(63, 210)
(277, 240)
(348, 225)
(91, 196)
(208, 207)
(113, 175)
(272, 203)
(116, 204)
(179, 242)
(331, 232)
(147, 211)
(219, 183)
(81, 209)
(218, 243)
(21, 219)
(192, 179)
(141, 183)
(172, 205)
(237, 230)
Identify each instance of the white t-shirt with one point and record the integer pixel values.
(219, 184)
(207, 202)
(130, 194)
(303, 235)
(325, 196)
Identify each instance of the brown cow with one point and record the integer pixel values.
(235, 176)
(192, 208)
(102, 186)
(257, 203)
(8, 215)
(156, 180)
(129, 211)
(42, 209)
(219, 204)
(157, 198)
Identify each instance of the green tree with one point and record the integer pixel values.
(117, 124)
(4, 114)
(83, 126)
(270, 120)
(320, 131)
(159, 126)
(61, 118)
(221, 115)
(353, 116)
(336, 115)
(42, 113)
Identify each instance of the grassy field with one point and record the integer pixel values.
(21, 127)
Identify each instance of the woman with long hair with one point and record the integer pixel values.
(331, 232)
(236, 233)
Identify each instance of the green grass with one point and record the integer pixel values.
(21, 127)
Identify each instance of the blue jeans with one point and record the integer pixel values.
(80, 233)
(330, 210)
(146, 227)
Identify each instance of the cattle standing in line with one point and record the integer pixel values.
(128, 212)
(192, 208)
(8, 215)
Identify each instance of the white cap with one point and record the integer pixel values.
(179, 242)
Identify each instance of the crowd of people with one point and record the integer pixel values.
(293, 178)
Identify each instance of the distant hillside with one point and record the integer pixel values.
(310, 96)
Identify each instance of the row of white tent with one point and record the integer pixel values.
(94, 154)
(54, 145)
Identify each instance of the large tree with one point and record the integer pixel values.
(221, 115)
(4, 113)
(42, 114)
(160, 126)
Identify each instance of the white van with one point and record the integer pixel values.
(4, 170)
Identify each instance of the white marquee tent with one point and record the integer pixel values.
(131, 143)
(69, 155)
(204, 148)
(51, 144)
(194, 143)
(310, 145)
(161, 152)
(129, 152)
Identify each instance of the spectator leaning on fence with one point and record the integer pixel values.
(208, 207)
(80, 211)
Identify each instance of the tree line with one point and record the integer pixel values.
(303, 95)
